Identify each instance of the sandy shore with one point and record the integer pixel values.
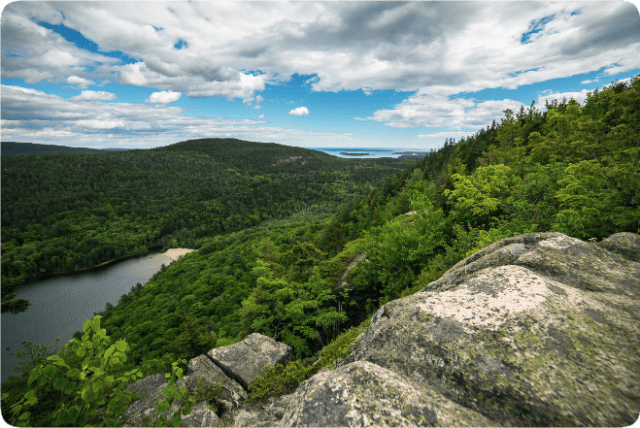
(174, 253)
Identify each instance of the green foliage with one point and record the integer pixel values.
(194, 338)
(204, 391)
(100, 381)
(480, 196)
(31, 355)
(338, 348)
(591, 205)
(64, 213)
(171, 393)
(284, 379)
(288, 310)
(279, 379)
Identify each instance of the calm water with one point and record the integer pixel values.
(60, 305)
(372, 153)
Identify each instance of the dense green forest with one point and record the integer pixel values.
(63, 213)
(570, 168)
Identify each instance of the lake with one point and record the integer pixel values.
(370, 153)
(61, 304)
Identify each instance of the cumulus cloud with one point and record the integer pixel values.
(299, 111)
(94, 96)
(449, 47)
(32, 115)
(82, 83)
(261, 116)
(452, 134)
(549, 96)
(424, 109)
(163, 97)
(34, 53)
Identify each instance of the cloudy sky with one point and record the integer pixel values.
(309, 74)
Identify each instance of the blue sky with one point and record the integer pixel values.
(308, 74)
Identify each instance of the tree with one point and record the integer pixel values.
(31, 355)
(194, 339)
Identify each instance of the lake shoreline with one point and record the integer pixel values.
(172, 253)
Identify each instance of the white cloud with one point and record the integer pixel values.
(32, 115)
(163, 97)
(453, 134)
(34, 53)
(82, 83)
(448, 47)
(94, 96)
(261, 116)
(299, 111)
(586, 82)
(581, 96)
(423, 109)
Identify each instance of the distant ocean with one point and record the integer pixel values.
(367, 153)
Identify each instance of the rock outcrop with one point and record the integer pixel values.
(223, 374)
(535, 330)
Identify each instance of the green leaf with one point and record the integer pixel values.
(113, 422)
(109, 351)
(35, 373)
(95, 324)
(81, 351)
(176, 421)
(60, 383)
(69, 387)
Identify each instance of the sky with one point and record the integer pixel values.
(309, 74)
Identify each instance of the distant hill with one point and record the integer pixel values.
(254, 156)
(9, 149)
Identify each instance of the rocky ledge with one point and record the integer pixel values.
(534, 330)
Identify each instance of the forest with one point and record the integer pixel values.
(570, 167)
(62, 213)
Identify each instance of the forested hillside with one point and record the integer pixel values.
(62, 213)
(570, 168)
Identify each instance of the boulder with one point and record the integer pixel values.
(364, 394)
(216, 380)
(244, 361)
(538, 329)
(143, 411)
(201, 371)
(625, 243)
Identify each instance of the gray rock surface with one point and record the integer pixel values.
(625, 243)
(201, 369)
(534, 330)
(244, 361)
(364, 394)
